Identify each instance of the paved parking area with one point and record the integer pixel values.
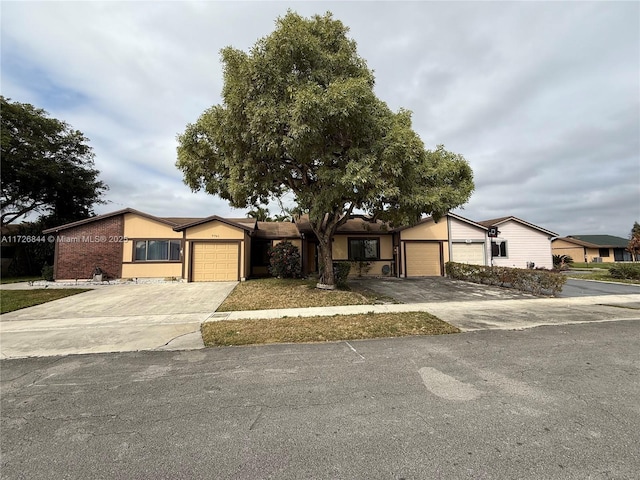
(115, 318)
(436, 289)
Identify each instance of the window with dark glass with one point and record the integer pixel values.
(362, 249)
(603, 252)
(499, 249)
(157, 250)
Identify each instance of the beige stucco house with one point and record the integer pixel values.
(131, 244)
(592, 248)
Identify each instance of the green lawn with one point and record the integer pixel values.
(11, 300)
(6, 280)
(605, 266)
(602, 275)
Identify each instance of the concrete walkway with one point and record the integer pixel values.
(481, 315)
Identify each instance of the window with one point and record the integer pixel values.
(157, 251)
(603, 252)
(362, 249)
(499, 249)
(260, 253)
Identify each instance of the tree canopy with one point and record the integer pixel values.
(634, 241)
(299, 114)
(47, 167)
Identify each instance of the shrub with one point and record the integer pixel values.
(562, 262)
(361, 266)
(284, 260)
(625, 271)
(340, 273)
(531, 281)
(47, 273)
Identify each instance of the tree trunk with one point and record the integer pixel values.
(325, 228)
(327, 280)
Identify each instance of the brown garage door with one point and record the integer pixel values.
(471, 253)
(215, 262)
(422, 259)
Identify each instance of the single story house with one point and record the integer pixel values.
(593, 248)
(132, 244)
(519, 244)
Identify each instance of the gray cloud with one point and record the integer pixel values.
(542, 98)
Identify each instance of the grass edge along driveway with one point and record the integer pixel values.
(12, 300)
(322, 329)
(270, 293)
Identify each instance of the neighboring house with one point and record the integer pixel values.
(132, 244)
(519, 244)
(424, 248)
(593, 248)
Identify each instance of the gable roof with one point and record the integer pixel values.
(466, 220)
(426, 219)
(108, 215)
(452, 215)
(363, 225)
(213, 218)
(499, 221)
(355, 225)
(181, 220)
(277, 230)
(597, 241)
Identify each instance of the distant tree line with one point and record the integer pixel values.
(48, 177)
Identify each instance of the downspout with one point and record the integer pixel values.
(449, 240)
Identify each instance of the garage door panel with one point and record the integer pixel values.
(423, 259)
(215, 262)
(471, 253)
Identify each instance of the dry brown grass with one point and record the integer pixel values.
(323, 329)
(269, 293)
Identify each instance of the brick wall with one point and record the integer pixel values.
(90, 247)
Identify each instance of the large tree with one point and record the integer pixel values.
(300, 115)
(47, 167)
(634, 242)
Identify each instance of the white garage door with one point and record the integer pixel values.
(423, 259)
(215, 262)
(471, 253)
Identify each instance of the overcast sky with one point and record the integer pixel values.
(541, 98)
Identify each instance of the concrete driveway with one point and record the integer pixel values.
(115, 318)
(442, 289)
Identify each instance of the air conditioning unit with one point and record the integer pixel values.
(597, 260)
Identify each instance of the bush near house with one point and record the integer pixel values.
(341, 273)
(625, 271)
(562, 262)
(284, 259)
(536, 282)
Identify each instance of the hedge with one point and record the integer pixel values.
(629, 271)
(537, 282)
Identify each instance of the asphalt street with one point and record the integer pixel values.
(586, 288)
(553, 402)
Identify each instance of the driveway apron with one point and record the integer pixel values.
(114, 318)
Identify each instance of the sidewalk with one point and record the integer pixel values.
(480, 315)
